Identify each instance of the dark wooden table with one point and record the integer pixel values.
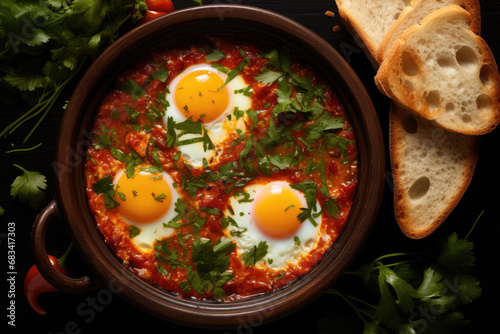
(99, 312)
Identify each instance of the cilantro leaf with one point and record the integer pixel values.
(233, 73)
(105, 187)
(324, 123)
(28, 188)
(268, 76)
(456, 254)
(133, 231)
(411, 298)
(215, 55)
(132, 87)
(211, 261)
(256, 253)
(431, 286)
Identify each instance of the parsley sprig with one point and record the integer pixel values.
(29, 188)
(416, 292)
(47, 43)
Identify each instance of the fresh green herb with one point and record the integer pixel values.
(215, 55)
(121, 195)
(160, 198)
(247, 91)
(226, 221)
(309, 188)
(105, 187)
(47, 43)
(324, 123)
(418, 292)
(164, 254)
(161, 75)
(296, 240)
(130, 86)
(281, 275)
(119, 154)
(133, 231)
(233, 73)
(28, 188)
(24, 149)
(133, 114)
(268, 76)
(220, 68)
(161, 269)
(279, 60)
(211, 261)
(254, 254)
(244, 56)
(154, 113)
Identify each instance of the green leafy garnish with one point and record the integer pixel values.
(47, 43)
(132, 87)
(417, 293)
(105, 187)
(256, 253)
(28, 188)
(133, 231)
(215, 55)
(211, 262)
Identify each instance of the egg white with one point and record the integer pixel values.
(281, 252)
(217, 129)
(154, 230)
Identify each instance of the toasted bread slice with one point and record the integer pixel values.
(431, 168)
(416, 11)
(444, 72)
(369, 20)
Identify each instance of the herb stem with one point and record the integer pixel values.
(474, 225)
(12, 126)
(24, 149)
(62, 259)
(359, 312)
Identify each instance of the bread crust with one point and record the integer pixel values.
(413, 213)
(356, 21)
(416, 11)
(409, 82)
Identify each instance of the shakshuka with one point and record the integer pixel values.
(221, 169)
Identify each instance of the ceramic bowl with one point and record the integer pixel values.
(70, 202)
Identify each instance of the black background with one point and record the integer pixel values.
(328, 314)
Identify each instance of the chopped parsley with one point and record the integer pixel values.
(256, 253)
(130, 86)
(105, 187)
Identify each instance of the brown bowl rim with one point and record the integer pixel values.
(74, 135)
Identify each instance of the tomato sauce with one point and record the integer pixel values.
(124, 123)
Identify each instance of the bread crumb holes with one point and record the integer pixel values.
(433, 99)
(419, 188)
(486, 74)
(484, 102)
(446, 63)
(409, 66)
(410, 124)
(466, 57)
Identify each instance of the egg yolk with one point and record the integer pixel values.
(275, 211)
(199, 95)
(144, 198)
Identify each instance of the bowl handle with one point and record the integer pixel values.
(54, 277)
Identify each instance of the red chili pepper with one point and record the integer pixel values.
(148, 10)
(35, 284)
